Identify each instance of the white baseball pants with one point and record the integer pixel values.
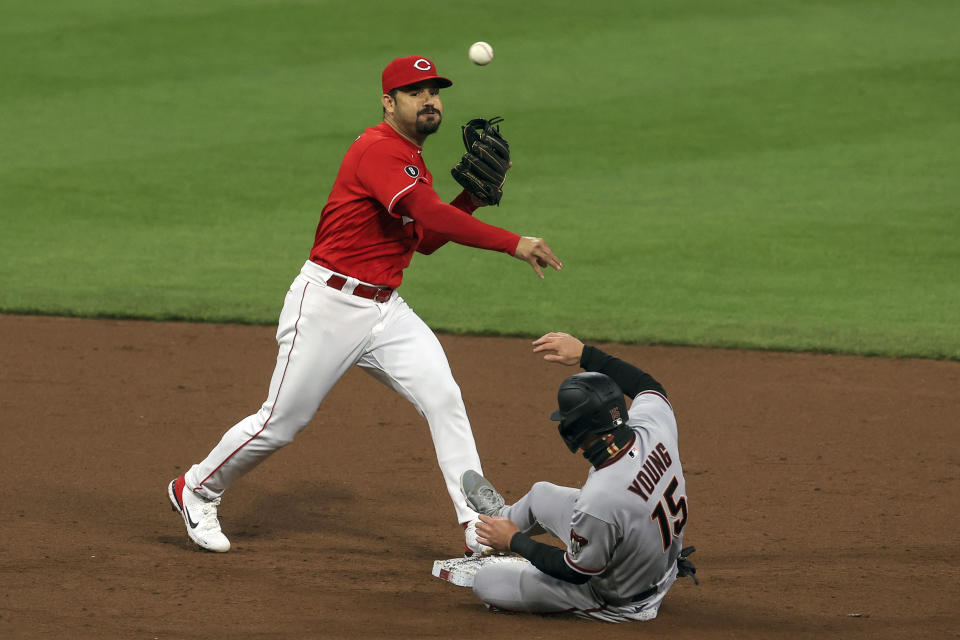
(323, 332)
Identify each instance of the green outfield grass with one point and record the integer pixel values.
(768, 174)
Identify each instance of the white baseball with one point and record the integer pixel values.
(481, 53)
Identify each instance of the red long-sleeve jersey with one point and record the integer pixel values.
(383, 206)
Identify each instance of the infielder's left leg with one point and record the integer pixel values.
(406, 355)
(309, 363)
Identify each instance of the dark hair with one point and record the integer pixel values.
(393, 94)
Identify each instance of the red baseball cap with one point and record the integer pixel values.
(410, 70)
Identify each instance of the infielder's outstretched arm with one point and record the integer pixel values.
(424, 205)
(432, 240)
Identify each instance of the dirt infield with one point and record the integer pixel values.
(823, 492)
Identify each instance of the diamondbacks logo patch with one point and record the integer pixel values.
(577, 542)
(615, 418)
(411, 171)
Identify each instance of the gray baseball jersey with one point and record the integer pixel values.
(624, 528)
(627, 523)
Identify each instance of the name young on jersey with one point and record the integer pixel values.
(656, 464)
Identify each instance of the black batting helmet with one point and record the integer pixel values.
(589, 403)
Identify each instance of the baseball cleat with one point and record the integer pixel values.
(467, 550)
(199, 515)
(472, 547)
(480, 494)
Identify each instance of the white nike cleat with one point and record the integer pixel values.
(199, 515)
(473, 546)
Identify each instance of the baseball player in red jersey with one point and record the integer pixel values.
(343, 308)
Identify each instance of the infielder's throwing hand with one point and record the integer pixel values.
(537, 253)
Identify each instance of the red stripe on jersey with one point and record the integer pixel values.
(584, 570)
(400, 194)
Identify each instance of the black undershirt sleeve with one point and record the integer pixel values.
(546, 558)
(628, 377)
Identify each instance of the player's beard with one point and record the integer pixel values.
(426, 127)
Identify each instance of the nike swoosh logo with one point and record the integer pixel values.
(193, 525)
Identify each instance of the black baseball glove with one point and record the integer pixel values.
(483, 168)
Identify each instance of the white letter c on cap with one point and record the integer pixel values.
(422, 65)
